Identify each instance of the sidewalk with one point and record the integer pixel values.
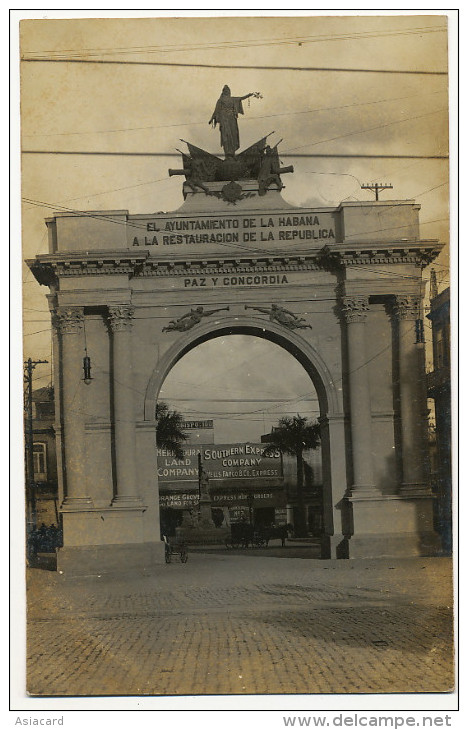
(243, 624)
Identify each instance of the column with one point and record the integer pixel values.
(413, 404)
(120, 322)
(69, 323)
(355, 311)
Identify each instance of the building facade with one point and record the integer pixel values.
(439, 389)
(44, 458)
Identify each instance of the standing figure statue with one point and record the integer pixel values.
(269, 170)
(190, 319)
(225, 114)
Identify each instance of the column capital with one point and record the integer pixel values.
(68, 320)
(120, 317)
(355, 308)
(406, 306)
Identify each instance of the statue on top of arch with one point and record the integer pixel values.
(226, 111)
(257, 162)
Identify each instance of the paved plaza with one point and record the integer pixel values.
(244, 623)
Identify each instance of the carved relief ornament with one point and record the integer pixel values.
(68, 320)
(355, 308)
(407, 306)
(120, 317)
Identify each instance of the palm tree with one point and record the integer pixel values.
(294, 435)
(169, 433)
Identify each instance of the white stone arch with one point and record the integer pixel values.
(292, 341)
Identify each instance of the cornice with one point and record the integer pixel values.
(49, 268)
(391, 252)
(230, 265)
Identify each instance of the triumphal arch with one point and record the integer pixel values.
(339, 288)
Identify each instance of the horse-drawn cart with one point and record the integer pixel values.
(175, 548)
(243, 534)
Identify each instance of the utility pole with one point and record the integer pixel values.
(29, 366)
(433, 291)
(377, 187)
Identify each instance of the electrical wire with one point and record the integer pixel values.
(231, 66)
(250, 249)
(361, 131)
(249, 119)
(244, 43)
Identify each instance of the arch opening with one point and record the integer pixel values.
(193, 378)
(294, 344)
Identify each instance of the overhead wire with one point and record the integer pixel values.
(361, 131)
(251, 249)
(244, 67)
(317, 155)
(247, 43)
(291, 152)
(249, 119)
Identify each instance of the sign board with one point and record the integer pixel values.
(304, 228)
(189, 425)
(179, 500)
(221, 497)
(222, 462)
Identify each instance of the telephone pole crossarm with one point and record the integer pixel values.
(376, 188)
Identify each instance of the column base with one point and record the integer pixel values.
(71, 503)
(392, 526)
(394, 545)
(99, 559)
(127, 501)
(115, 525)
(363, 491)
(415, 489)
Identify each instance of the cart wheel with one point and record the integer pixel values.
(183, 555)
(167, 555)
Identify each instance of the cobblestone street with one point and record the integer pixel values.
(243, 624)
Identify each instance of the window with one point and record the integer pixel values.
(40, 462)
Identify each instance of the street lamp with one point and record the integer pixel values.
(87, 369)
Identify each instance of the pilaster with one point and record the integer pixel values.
(355, 310)
(120, 318)
(69, 323)
(412, 399)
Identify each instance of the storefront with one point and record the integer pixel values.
(242, 483)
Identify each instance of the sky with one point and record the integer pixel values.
(166, 76)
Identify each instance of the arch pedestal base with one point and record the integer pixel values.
(107, 540)
(392, 527)
(100, 559)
